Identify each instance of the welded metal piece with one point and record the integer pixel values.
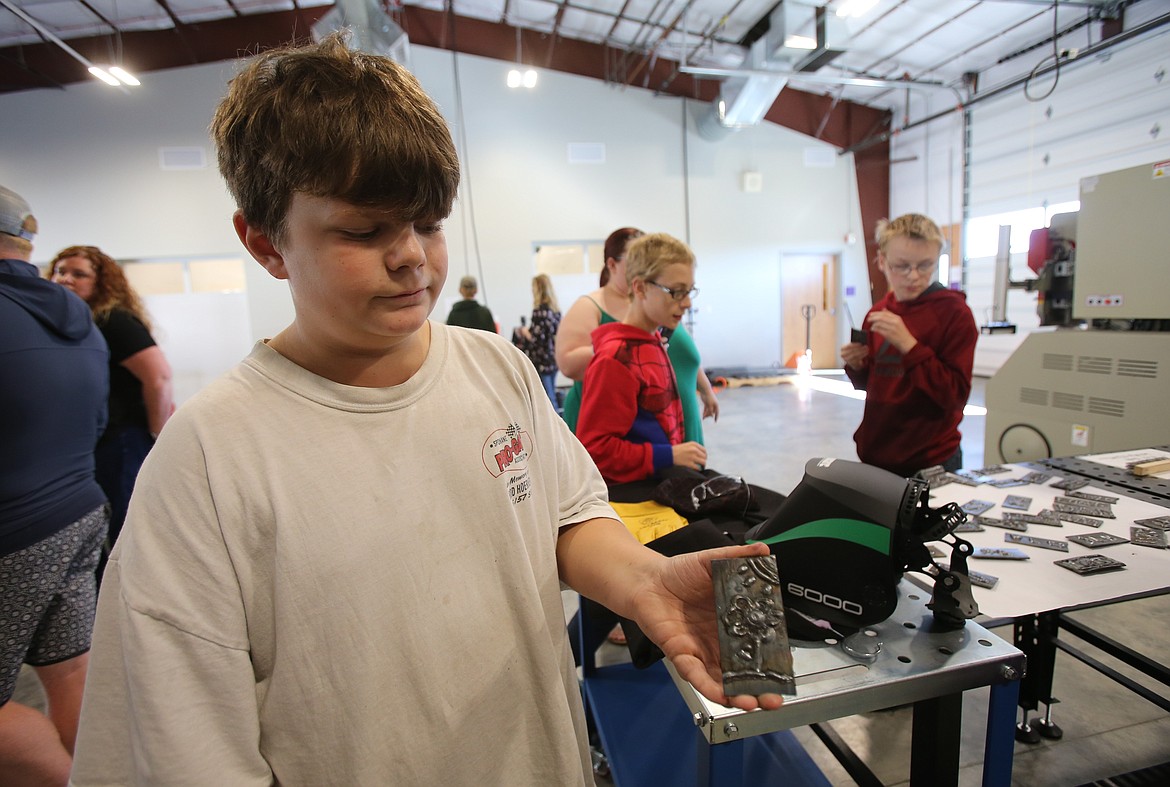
(1035, 541)
(1157, 522)
(754, 654)
(1050, 520)
(1148, 537)
(1097, 540)
(1089, 496)
(1077, 505)
(1017, 502)
(1076, 519)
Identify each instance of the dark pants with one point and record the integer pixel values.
(119, 455)
(550, 388)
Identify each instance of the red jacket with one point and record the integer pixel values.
(630, 410)
(914, 402)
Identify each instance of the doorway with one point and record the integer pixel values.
(808, 308)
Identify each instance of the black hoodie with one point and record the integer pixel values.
(54, 383)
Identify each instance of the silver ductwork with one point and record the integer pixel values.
(785, 47)
(370, 29)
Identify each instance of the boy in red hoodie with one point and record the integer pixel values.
(631, 419)
(916, 365)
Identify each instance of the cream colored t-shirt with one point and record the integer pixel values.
(321, 584)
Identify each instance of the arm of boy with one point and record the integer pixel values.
(892, 328)
(854, 355)
(609, 406)
(943, 369)
(691, 454)
(670, 598)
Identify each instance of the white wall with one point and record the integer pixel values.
(86, 158)
(1107, 112)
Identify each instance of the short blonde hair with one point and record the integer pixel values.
(910, 225)
(649, 255)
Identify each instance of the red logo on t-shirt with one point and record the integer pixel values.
(507, 450)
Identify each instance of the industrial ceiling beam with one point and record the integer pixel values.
(842, 124)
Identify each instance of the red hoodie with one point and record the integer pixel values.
(630, 410)
(914, 402)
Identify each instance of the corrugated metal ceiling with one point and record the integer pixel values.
(925, 43)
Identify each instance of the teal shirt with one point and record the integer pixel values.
(684, 357)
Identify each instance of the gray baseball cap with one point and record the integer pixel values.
(14, 212)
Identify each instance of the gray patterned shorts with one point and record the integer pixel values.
(48, 594)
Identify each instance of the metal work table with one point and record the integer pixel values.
(915, 664)
(1035, 594)
(1110, 473)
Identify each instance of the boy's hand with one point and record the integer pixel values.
(692, 455)
(854, 355)
(676, 609)
(891, 327)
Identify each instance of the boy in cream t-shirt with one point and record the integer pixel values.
(343, 560)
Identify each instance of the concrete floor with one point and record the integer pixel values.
(766, 435)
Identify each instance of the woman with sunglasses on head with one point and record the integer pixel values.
(141, 399)
(915, 366)
(609, 303)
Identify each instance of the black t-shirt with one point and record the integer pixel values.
(126, 335)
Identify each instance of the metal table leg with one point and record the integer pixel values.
(999, 747)
(719, 766)
(1036, 636)
(934, 742)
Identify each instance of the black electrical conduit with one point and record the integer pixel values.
(1101, 46)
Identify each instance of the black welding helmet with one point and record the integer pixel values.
(842, 540)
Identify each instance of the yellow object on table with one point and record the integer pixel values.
(649, 520)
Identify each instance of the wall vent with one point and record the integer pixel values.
(182, 158)
(1068, 401)
(585, 152)
(1113, 407)
(1034, 396)
(1131, 367)
(1093, 364)
(1058, 362)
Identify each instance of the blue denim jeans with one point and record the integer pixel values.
(550, 388)
(119, 455)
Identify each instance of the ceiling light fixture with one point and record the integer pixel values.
(104, 75)
(855, 8)
(517, 78)
(124, 76)
(800, 42)
(114, 80)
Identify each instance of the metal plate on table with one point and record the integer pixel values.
(1035, 541)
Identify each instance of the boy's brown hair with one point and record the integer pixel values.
(333, 122)
(649, 255)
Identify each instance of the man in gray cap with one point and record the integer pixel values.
(468, 313)
(54, 381)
